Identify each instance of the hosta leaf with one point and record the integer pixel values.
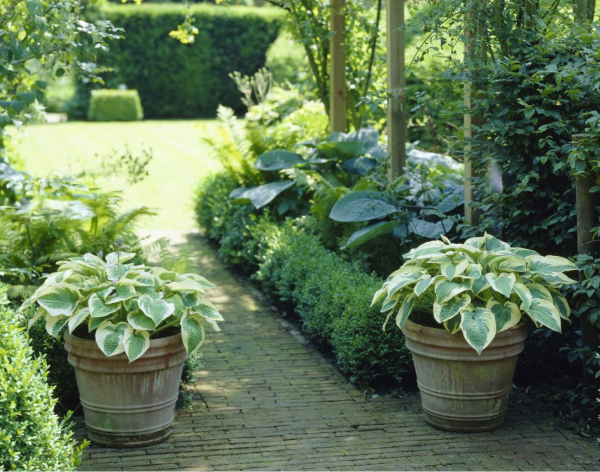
(490, 243)
(117, 272)
(506, 316)
(453, 325)
(550, 264)
(524, 294)
(445, 290)
(177, 302)
(78, 317)
(427, 229)
(198, 278)
(158, 310)
(98, 309)
(561, 304)
(362, 206)
(389, 304)
(187, 285)
(502, 283)
(93, 323)
(379, 294)
(545, 313)
(558, 279)
(474, 271)
(426, 251)
(136, 343)
(422, 285)
(164, 274)
(479, 285)
(207, 311)
(452, 269)
(94, 260)
(366, 234)
(478, 327)
(60, 299)
(122, 293)
(538, 291)
(402, 280)
(277, 159)
(55, 323)
(192, 333)
(109, 337)
(213, 324)
(265, 194)
(404, 311)
(445, 311)
(139, 320)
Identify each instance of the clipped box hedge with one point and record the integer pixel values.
(115, 105)
(186, 81)
(31, 435)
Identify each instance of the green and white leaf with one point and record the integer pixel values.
(538, 291)
(479, 285)
(99, 309)
(192, 333)
(158, 310)
(404, 311)
(78, 317)
(422, 285)
(445, 290)
(478, 327)
(140, 321)
(122, 293)
(524, 294)
(550, 264)
(545, 313)
(203, 281)
(506, 316)
(444, 311)
(502, 283)
(453, 325)
(558, 279)
(109, 337)
(121, 257)
(451, 269)
(189, 285)
(379, 294)
(54, 324)
(60, 299)
(207, 311)
(94, 323)
(561, 304)
(136, 343)
(36, 316)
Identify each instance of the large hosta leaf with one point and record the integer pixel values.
(60, 299)
(207, 311)
(340, 149)
(506, 316)
(364, 205)
(453, 269)
(524, 294)
(158, 309)
(277, 159)
(115, 258)
(561, 304)
(136, 343)
(139, 320)
(203, 281)
(550, 264)
(478, 327)
(99, 309)
(423, 285)
(453, 325)
(545, 313)
(444, 311)
(186, 285)
(502, 283)
(109, 337)
(366, 234)
(78, 317)
(264, 194)
(445, 290)
(192, 332)
(429, 230)
(404, 311)
(122, 293)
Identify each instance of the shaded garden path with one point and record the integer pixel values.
(267, 400)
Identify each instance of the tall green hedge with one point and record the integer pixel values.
(185, 81)
(31, 435)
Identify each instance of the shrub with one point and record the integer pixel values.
(115, 105)
(186, 81)
(31, 435)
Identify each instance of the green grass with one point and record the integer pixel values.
(181, 160)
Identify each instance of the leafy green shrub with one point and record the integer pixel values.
(115, 105)
(31, 435)
(195, 78)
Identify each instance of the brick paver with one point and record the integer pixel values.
(266, 400)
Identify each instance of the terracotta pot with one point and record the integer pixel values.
(460, 390)
(128, 404)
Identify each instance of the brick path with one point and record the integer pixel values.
(267, 401)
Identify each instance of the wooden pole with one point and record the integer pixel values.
(338, 95)
(396, 113)
(586, 220)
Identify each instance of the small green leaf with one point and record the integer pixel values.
(109, 337)
(140, 321)
(422, 285)
(404, 312)
(453, 325)
(502, 283)
(187, 285)
(207, 311)
(54, 324)
(506, 316)
(158, 310)
(444, 311)
(445, 290)
(524, 294)
(478, 327)
(98, 309)
(78, 317)
(136, 344)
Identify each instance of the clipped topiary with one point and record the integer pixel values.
(115, 105)
(31, 435)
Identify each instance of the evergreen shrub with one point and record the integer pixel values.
(115, 105)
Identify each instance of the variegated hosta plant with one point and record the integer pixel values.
(481, 287)
(125, 304)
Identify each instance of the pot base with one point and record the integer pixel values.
(125, 440)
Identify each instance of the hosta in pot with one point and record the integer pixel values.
(464, 295)
(131, 310)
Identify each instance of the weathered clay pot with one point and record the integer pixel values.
(460, 390)
(128, 404)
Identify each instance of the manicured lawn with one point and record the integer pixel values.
(181, 160)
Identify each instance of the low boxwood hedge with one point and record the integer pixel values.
(31, 435)
(115, 105)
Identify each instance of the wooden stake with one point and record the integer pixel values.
(337, 97)
(396, 113)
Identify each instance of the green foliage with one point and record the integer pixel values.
(481, 288)
(286, 59)
(125, 304)
(115, 105)
(32, 436)
(194, 80)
